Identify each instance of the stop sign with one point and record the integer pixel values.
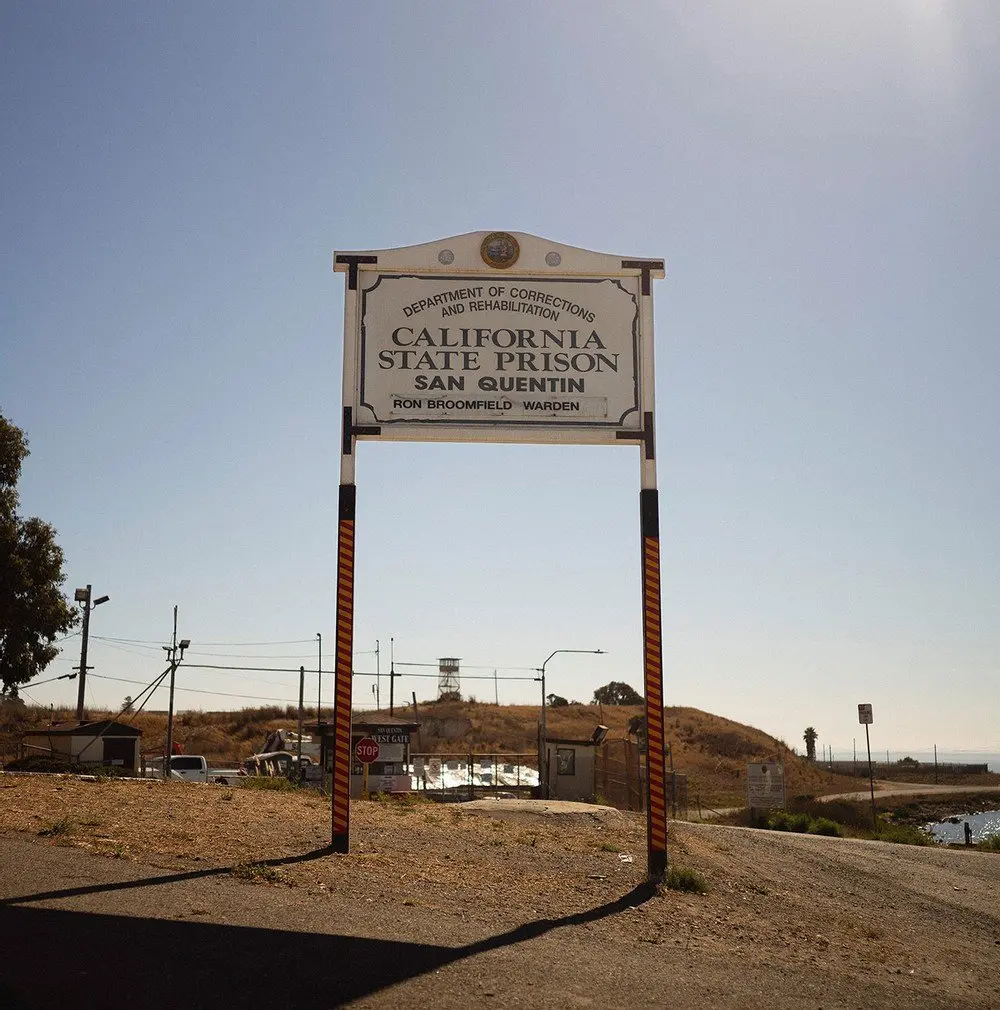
(367, 750)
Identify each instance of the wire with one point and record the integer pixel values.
(197, 690)
(38, 683)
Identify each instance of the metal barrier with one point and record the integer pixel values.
(472, 776)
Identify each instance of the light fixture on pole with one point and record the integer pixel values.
(83, 596)
(543, 779)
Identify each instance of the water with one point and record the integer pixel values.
(984, 825)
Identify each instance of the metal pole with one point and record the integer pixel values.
(935, 763)
(377, 676)
(392, 674)
(302, 688)
(83, 657)
(545, 746)
(871, 780)
(170, 712)
(319, 680)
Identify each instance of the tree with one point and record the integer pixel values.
(556, 701)
(616, 693)
(810, 736)
(33, 610)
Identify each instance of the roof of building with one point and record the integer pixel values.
(105, 727)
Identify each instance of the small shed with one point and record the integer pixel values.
(571, 767)
(389, 772)
(90, 743)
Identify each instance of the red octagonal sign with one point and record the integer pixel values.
(367, 750)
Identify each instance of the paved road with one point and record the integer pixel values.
(78, 930)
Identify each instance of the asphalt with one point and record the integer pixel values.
(86, 931)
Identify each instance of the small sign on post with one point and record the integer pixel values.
(367, 750)
(765, 785)
(865, 718)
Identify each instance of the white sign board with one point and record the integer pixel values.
(865, 714)
(497, 337)
(765, 784)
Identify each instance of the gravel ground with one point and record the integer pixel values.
(540, 904)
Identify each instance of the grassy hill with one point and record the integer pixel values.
(712, 751)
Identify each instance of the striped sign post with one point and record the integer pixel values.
(656, 806)
(343, 671)
(500, 337)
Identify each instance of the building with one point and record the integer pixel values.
(105, 743)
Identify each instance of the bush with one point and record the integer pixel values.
(824, 826)
(264, 783)
(902, 834)
(782, 820)
(684, 879)
(64, 826)
(991, 844)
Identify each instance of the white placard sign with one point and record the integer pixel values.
(766, 784)
(865, 714)
(497, 337)
(526, 351)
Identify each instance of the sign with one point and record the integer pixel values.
(516, 350)
(502, 337)
(367, 750)
(865, 714)
(766, 784)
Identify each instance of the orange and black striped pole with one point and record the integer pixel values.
(343, 672)
(656, 806)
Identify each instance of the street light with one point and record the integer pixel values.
(83, 596)
(544, 780)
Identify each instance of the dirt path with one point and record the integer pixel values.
(885, 789)
(466, 906)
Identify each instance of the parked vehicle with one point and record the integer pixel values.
(189, 767)
(275, 763)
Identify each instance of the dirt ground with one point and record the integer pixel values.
(794, 920)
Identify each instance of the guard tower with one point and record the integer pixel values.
(448, 685)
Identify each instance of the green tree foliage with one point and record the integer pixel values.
(556, 701)
(616, 693)
(810, 736)
(33, 610)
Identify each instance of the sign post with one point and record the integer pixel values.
(765, 786)
(367, 751)
(865, 717)
(500, 337)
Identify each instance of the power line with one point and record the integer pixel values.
(196, 690)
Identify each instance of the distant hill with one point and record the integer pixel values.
(711, 750)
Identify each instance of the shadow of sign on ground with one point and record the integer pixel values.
(54, 959)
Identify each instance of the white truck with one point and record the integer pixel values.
(189, 768)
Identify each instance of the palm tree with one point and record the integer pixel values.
(810, 736)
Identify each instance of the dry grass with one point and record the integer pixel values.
(712, 751)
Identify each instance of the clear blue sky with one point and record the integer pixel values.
(822, 181)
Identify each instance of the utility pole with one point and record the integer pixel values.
(392, 673)
(175, 653)
(83, 596)
(302, 688)
(377, 677)
(319, 679)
